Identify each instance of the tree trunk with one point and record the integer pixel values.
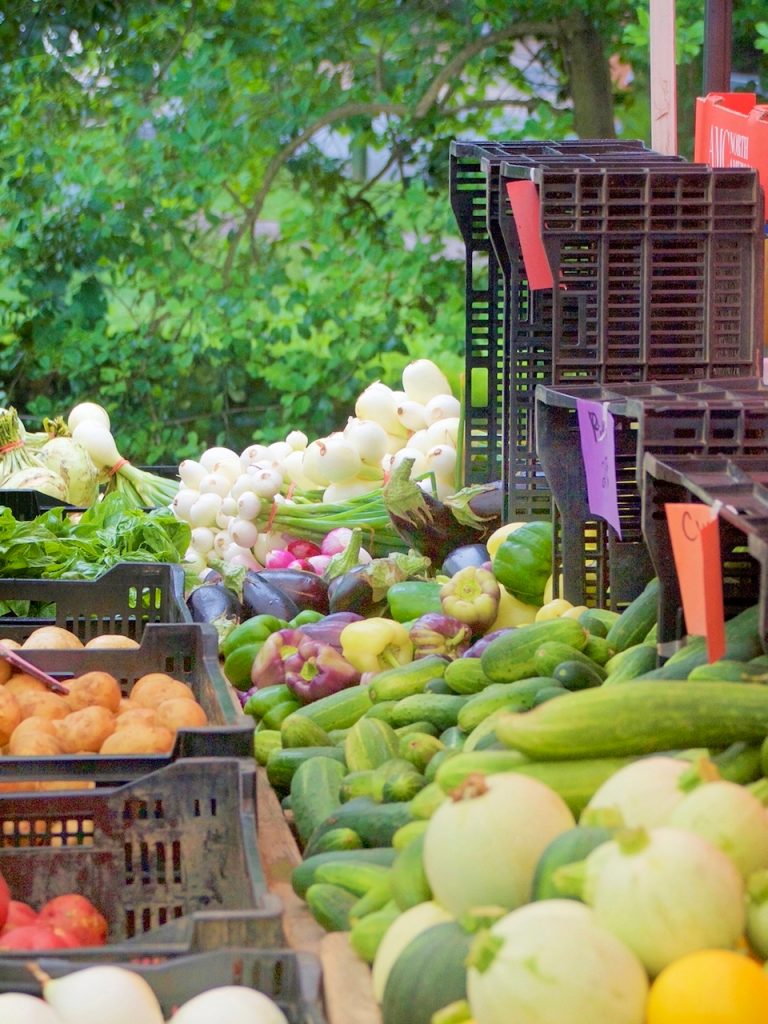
(586, 66)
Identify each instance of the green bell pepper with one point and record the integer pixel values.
(523, 562)
(410, 599)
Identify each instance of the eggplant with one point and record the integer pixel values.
(260, 597)
(211, 601)
(328, 629)
(351, 591)
(306, 589)
(464, 555)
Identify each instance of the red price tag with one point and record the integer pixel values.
(695, 536)
(524, 200)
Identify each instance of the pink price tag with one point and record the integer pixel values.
(599, 455)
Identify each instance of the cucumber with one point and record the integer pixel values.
(576, 782)
(374, 898)
(453, 738)
(577, 675)
(238, 664)
(300, 731)
(338, 839)
(418, 727)
(484, 732)
(367, 783)
(437, 686)
(727, 669)
(276, 715)
(419, 748)
(598, 617)
(444, 755)
(630, 663)
(739, 762)
(264, 742)
(639, 718)
(742, 638)
(338, 710)
(425, 803)
(517, 696)
(366, 933)
(303, 875)
(374, 823)
(330, 906)
(281, 764)
(315, 792)
(369, 743)
(511, 656)
(408, 833)
(552, 653)
(598, 649)
(555, 689)
(408, 878)
(355, 878)
(489, 762)
(465, 675)
(381, 711)
(441, 709)
(405, 680)
(638, 617)
(403, 786)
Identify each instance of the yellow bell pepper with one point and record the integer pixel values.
(375, 644)
(498, 537)
(512, 612)
(553, 609)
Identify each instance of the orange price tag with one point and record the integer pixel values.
(695, 535)
(526, 211)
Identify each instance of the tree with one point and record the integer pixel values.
(180, 244)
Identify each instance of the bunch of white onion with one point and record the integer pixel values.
(229, 498)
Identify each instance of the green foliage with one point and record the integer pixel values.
(176, 241)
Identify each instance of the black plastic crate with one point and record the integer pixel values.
(125, 599)
(28, 504)
(658, 273)
(157, 856)
(671, 418)
(292, 979)
(473, 173)
(737, 483)
(188, 652)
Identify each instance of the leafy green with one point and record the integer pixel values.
(57, 546)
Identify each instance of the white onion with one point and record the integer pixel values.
(88, 411)
(248, 505)
(265, 482)
(312, 465)
(419, 460)
(441, 407)
(443, 431)
(201, 539)
(205, 509)
(298, 440)
(182, 503)
(221, 542)
(378, 403)
(423, 379)
(339, 460)
(191, 472)
(98, 442)
(215, 483)
(346, 489)
(368, 437)
(252, 454)
(411, 414)
(221, 459)
(243, 533)
(293, 471)
(441, 460)
(278, 450)
(421, 441)
(240, 485)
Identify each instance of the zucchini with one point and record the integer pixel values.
(330, 906)
(303, 875)
(441, 709)
(639, 718)
(552, 653)
(405, 680)
(374, 823)
(638, 617)
(511, 656)
(576, 782)
(465, 675)
(315, 792)
(577, 675)
(368, 744)
(517, 696)
(630, 663)
(366, 933)
(281, 763)
(338, 710)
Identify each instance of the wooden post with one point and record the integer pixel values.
(663, 77)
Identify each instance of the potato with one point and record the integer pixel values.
(9, 642)
(45, 705)
(94, 689)
(10, 715)
(34, 725)
(150, 677)
(126, 704)
(138, 739)
(145, 716)
(156, 691)
(30, 744)
(113, 640)
(22, 682)
(6, 668)
(85, 730)
(180, 713)
(53, 638)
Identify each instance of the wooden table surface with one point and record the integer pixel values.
(346, 978)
